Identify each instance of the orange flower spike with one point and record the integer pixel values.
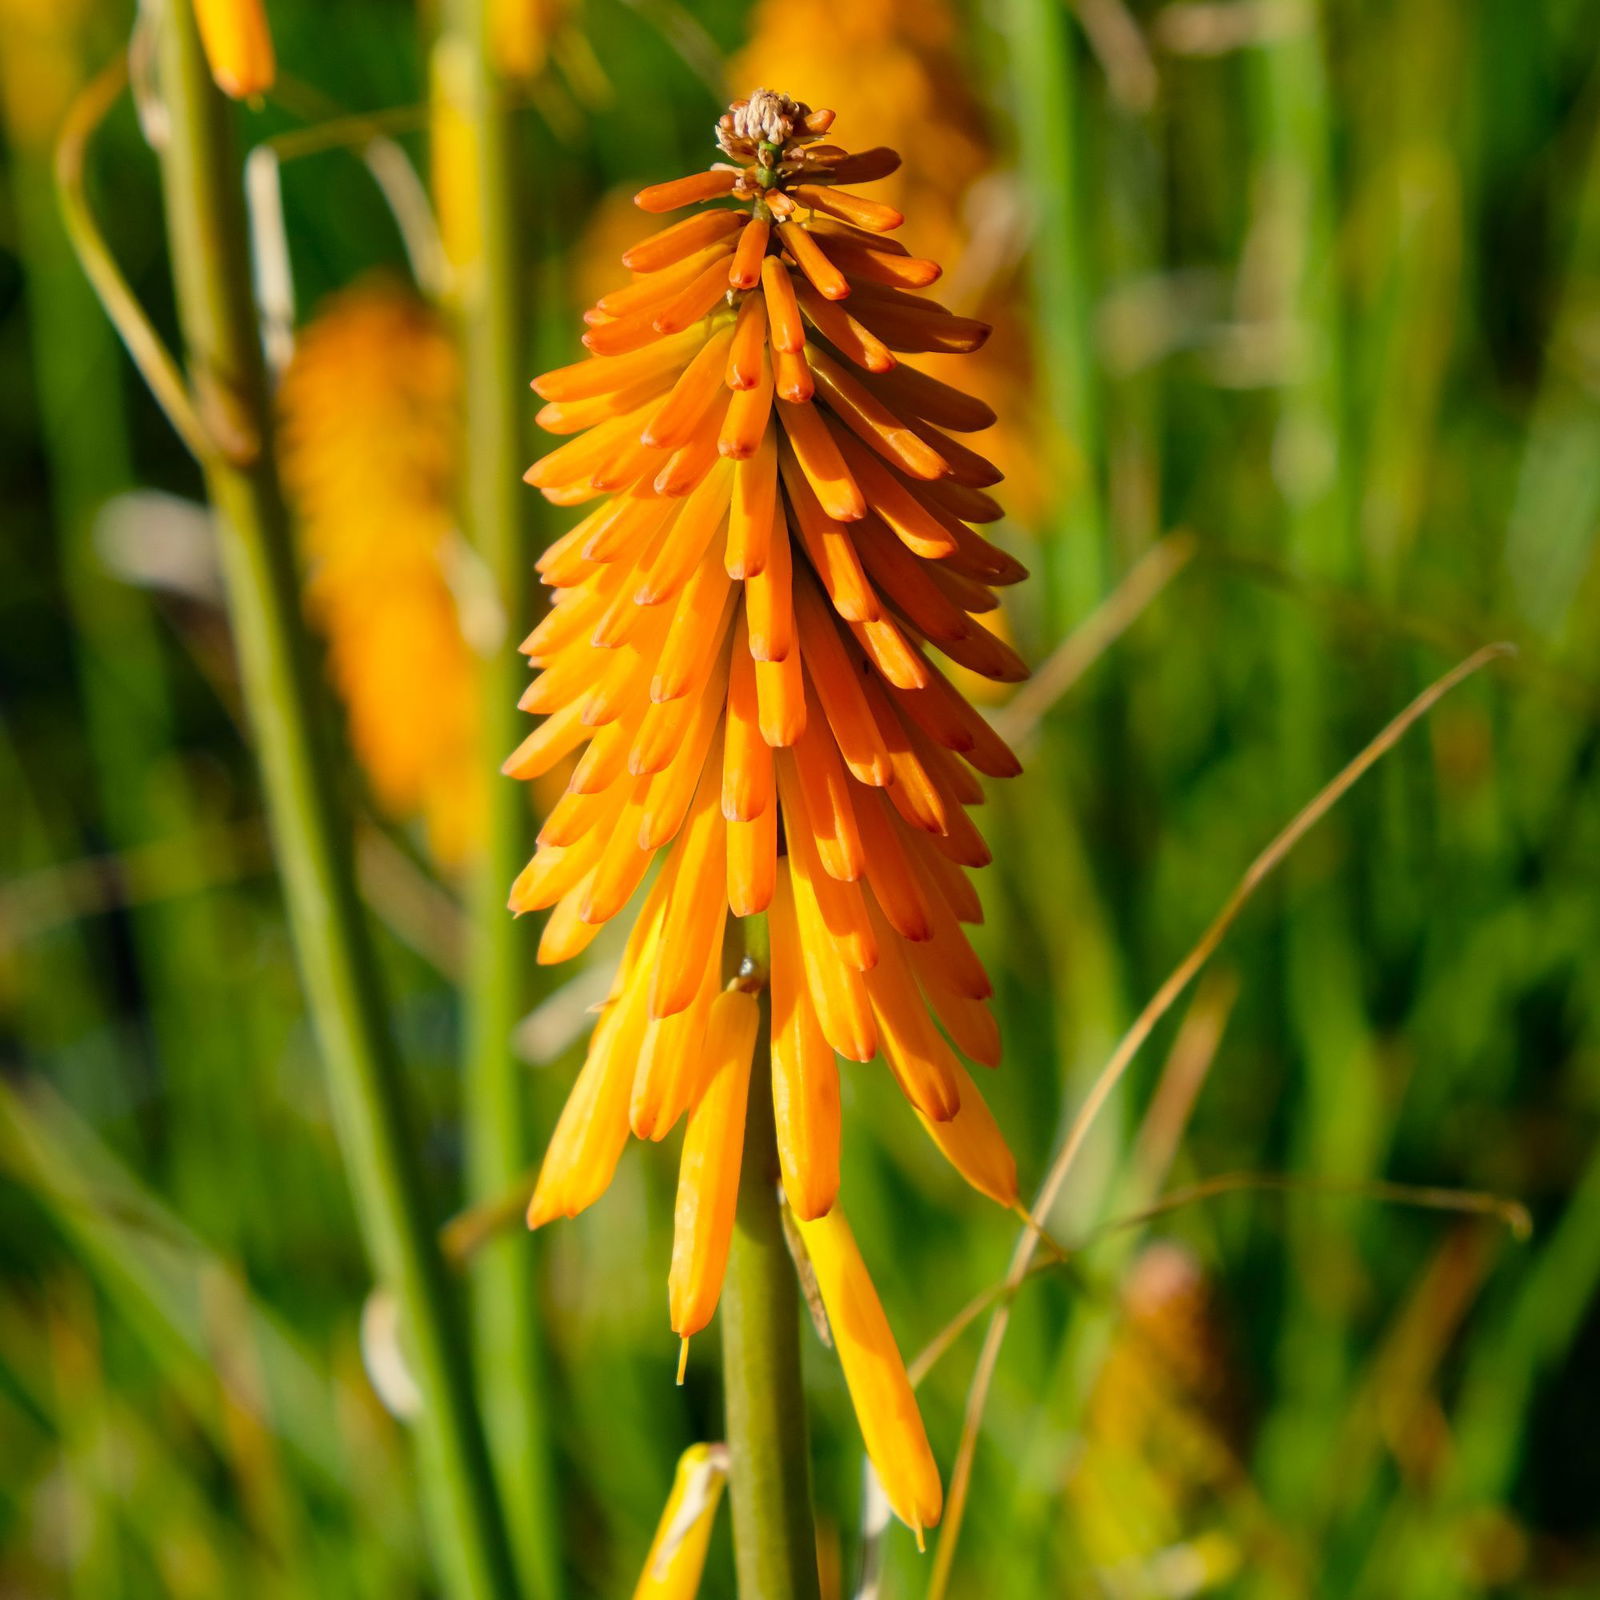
(805, 1077)
(677, 1558)
(238, 46)
(885, 1407)
(708, 1170)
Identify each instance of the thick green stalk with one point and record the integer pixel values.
(489, 273)
(337, 960)
(769, 1460)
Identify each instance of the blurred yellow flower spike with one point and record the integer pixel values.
(238, 46)
(708, 1172)
(677, 1556)
(519, 35)
(891, 1425)
(369, 439)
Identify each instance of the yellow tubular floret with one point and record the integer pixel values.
(886, 1408)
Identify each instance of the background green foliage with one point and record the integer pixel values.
(1334, 307)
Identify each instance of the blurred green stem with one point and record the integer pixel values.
(338, 963)
(769, 1462)
(1043, 72)
(488, 281)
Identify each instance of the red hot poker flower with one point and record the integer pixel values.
(781, 536)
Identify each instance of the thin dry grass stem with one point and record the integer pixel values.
(1094, 636)
(1468, 1202)
(1120, 47)
(1187, 1067)
(1144, 1024)
(150, 355)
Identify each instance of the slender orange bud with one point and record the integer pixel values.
(238, 46)
(708, 1171)
(677, 1557)
(885, 1407)
(805, 1077)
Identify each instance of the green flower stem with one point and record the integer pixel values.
(489, 295)
(338, 964)
(769, 1461)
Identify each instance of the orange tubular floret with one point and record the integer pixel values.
(852, 337)
(752, 863)
(654, 289)
(755, 505)
(828, 546)
(693, 301)
(749, 411)
(805, 1077)
(747, 782)
(744, 272)
(873, 422)
(792, 374)
(783, 310)
(708, 1173)
(818, 455)
(682, 239)
(749, 347)
(700, 898)
(769, 601)
(897, 1443)
(687, 191)
(604, 375)
(839, 688)
(675, 420)
(825, 277)
(856, 209)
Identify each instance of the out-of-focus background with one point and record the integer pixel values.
(1296, 305)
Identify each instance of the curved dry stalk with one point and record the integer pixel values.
(1425, 1197)
(156, 364)
(1259, 870)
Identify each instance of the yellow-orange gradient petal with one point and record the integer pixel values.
(677, 1558)
(891, 1425)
